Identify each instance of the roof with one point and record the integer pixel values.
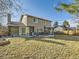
(35, 17)
(15, 24)
(72, 28)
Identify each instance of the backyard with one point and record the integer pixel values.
(40, 48)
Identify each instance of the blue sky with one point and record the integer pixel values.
(44, 9)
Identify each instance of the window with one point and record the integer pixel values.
(23, 30)
(35, 20)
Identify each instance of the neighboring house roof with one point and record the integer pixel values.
(59, 28)
(15, 24)
(72, 28)
(35, 17)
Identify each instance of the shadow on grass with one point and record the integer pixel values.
(42, 40)
(48, 41)
(66, 37)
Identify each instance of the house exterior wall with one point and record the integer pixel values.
(60, 29)
(27, 31)
(15, 31)
(24, 20)
(39, 25)
(31, 25)
(20, 31)
(24, 31)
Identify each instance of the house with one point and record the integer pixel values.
(59, 29)
(29, 25)
(69, 31)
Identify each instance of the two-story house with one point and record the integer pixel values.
(29, 25)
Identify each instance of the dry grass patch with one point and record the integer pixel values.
(42, 48)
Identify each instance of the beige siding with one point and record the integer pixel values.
(27, 31)
(39, 26)
(20, 30)
(23, 30)
(40, 23)
(24, 20)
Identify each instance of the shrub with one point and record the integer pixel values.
(2, 43)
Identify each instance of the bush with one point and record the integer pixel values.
(2, 43)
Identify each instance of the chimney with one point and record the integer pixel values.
(9, 18)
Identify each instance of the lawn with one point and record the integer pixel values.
(40, 48)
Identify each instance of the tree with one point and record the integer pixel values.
(72, 8)
(7, 6)
(66, 25)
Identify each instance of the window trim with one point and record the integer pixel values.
(35, 20)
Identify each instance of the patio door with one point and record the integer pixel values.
(31, 30)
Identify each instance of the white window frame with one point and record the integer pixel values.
(36, 20)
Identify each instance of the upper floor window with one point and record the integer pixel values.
(35, 20)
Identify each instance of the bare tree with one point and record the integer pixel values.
(7, 6)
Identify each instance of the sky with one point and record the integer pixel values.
(44, 9)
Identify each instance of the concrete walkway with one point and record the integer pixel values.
(44, 36)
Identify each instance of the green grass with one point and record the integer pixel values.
(40, 48)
